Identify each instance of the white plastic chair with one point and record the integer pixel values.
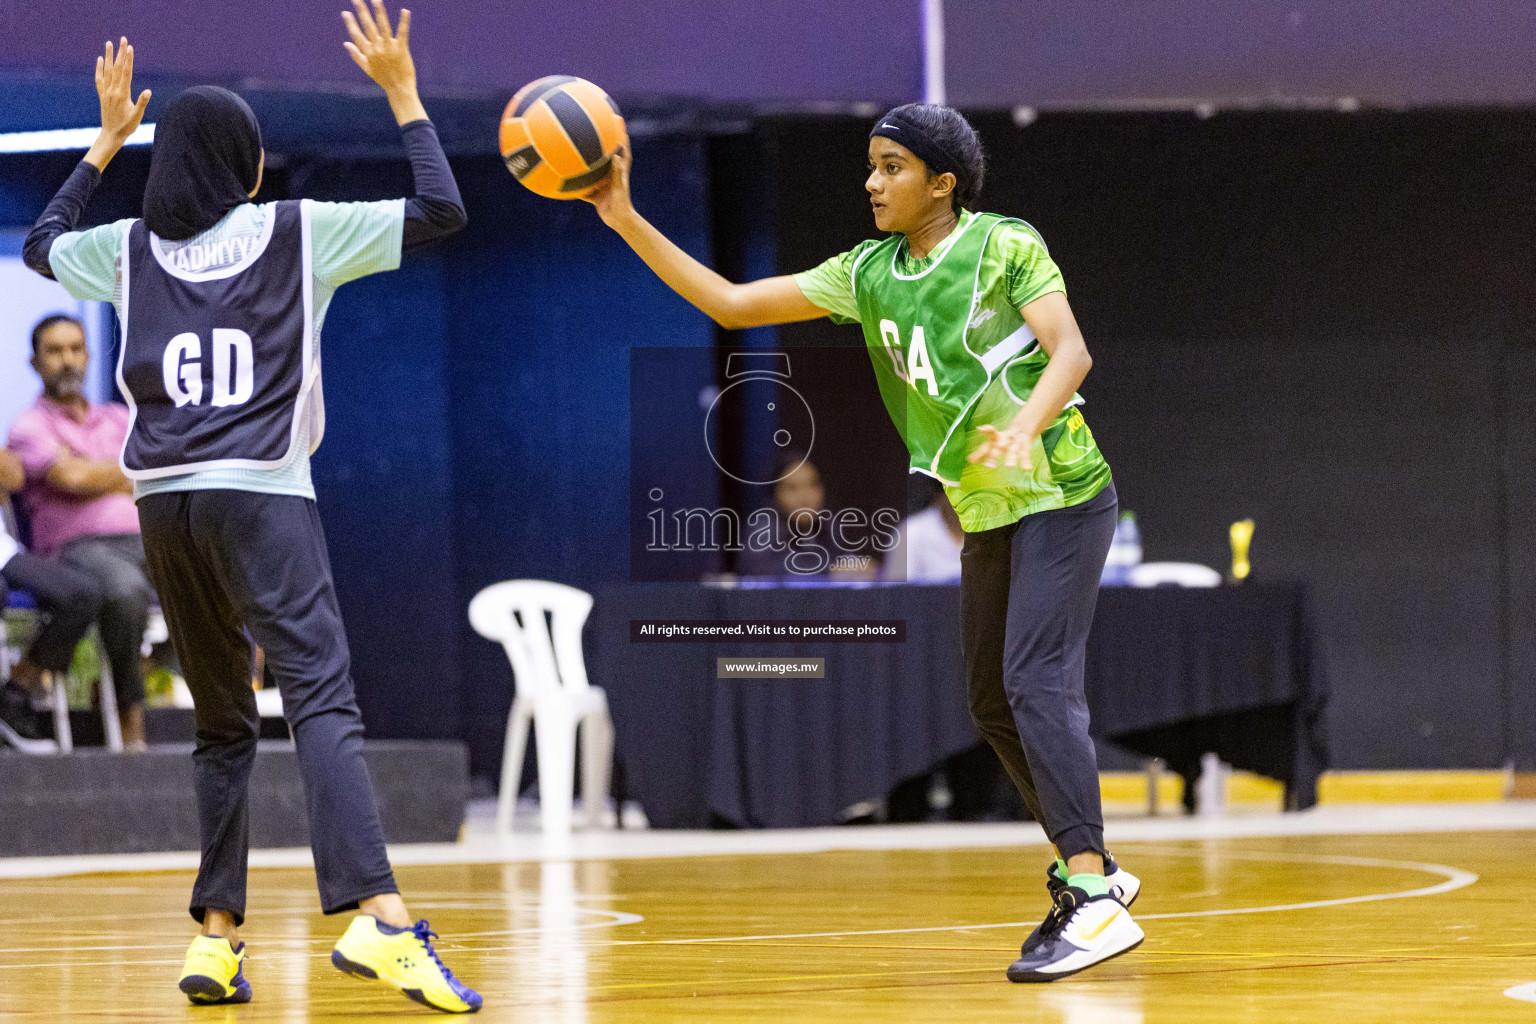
(155, 632)
(539, 625)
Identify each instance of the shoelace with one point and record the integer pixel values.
(1065, 905)
(425, 935)
(1053, 917)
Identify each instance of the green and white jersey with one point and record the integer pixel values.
(348, 241)
(952, 353)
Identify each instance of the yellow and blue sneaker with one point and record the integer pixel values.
(213, 972)
(404, 959)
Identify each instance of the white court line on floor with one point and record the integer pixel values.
(1455, 878)
(607, 919)
(479, 847)
(604, 919)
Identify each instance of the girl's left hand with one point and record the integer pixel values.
(1009, 447)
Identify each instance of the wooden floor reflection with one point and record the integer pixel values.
(1411, 928)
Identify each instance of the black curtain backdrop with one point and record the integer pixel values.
(1323, 321)
(1520, 569)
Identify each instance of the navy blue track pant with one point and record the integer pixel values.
(1027, 594)
(222, 560)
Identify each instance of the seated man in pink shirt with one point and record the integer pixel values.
(81, 504)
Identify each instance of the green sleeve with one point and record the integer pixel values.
(85, 262)
(829, 285)
(1028, 268)
(353, 240)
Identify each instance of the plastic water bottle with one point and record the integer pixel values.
(1211, 786)
(1124, 552)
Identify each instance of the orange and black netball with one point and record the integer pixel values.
(558, 135)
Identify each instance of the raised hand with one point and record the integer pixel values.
(384, 54)
(120, 113)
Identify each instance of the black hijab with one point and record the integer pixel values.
(206, 160)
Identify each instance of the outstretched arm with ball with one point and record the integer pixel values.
(773, 300)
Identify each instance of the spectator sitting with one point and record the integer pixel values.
(67, 601)
(81, 505)
(797, 489)
(929, 549)
(802, 544)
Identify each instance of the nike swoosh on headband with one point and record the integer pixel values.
(892, 127)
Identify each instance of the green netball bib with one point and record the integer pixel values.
(951, 354)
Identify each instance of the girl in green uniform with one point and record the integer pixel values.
(978, 359)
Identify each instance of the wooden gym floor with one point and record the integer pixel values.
(1305, 928)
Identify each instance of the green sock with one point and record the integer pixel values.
(1061, 869)
(1093, 885)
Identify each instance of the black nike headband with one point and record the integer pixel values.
(899, 128)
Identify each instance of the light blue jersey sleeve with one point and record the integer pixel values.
(85, 262)
(353, 240)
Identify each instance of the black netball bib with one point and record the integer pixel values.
(216, 360)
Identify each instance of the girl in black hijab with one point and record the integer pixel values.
(207, 161)
(221, 301)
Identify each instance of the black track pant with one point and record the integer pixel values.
(68, 599)
(1027, 593)
(222, 560)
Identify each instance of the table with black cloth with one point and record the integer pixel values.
(1236, 671)
(1171, 673)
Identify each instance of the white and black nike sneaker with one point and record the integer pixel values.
(1123, 886)
(1089, 930)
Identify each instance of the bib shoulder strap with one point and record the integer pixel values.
(135, 239)
(871, 257)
